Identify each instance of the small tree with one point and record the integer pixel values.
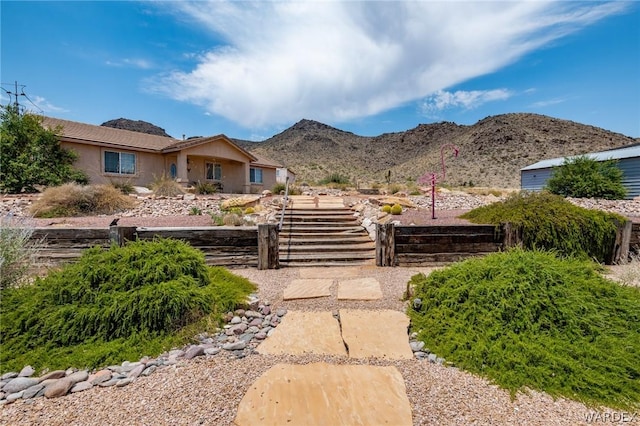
(31, 155)
(584, 177)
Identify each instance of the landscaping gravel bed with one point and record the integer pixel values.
(207, 390)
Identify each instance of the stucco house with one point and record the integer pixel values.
(111, 155)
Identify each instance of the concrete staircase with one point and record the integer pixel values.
(323, 232)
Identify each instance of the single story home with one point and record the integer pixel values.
(535, 176)
(109, 155)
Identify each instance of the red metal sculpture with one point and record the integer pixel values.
(432, 177)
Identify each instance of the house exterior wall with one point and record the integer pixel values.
(536, 179)
(91, 161)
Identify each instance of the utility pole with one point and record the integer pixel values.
(16, 94)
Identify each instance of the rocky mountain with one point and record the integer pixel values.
(491, 151)
(136, 126)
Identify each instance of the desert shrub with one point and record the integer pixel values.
(217, 219)
(584, 177)
(528, 319)
(396, 209)
(232, 219)
(386, 208)
(124, 302)
(17, 251)
(278, 188)
(125, 187)
(206, 188)
(76, 200)
(335, 178)
(394, 188)
(195, 211)
(164, 186)
(550, 222)
(249, 210)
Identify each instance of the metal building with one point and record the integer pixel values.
(534, 177)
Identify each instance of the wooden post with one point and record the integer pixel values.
(268, 246)
(385, 245)
(120, 234)
(620, 248)
(512, 235)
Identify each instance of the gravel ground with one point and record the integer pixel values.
(208, 390)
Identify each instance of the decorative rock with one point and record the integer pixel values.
(81, 386)
(110, 382)
(238, 329)
(261, 335)
(239, 312)
(266, 310)
(8, 376)
(253, 330)
(47, 382)
(149, 370)
(281, 312)
(19, 384)
(236, 320)
(124, 382)
(252, 314)
(12, 397)
(32, 391)
(56, 374)
(417, 303)
(137, 371)
(27, 371)
(239, 345)
(416, 346)
(59, 388)
(420, 355)
(255, 322)
(212, 351)
(193, 352)
(100, 377)
(78, 376)
(247, 337)
(432, 358)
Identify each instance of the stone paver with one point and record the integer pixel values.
(308, 288)
(303, 333)
(380, 334)
(340, 272)
(307, 202)
(325, 394)
(359, 289)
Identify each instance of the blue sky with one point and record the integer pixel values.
(252, 69)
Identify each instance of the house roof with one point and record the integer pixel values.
(614, 154)
(81, 132)
(265, 162)
(88, 133)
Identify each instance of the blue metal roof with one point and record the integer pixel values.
(614, 154)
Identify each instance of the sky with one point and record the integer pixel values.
(251, 69)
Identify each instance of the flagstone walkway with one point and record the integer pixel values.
(326, 393)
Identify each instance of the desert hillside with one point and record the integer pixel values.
(492, 151)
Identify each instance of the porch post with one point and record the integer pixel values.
(246, 186)
(183, 174)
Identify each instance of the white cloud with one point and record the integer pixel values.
(548, 102)
(340, 60)
(131, 63)
(46, 107)
(442, 100)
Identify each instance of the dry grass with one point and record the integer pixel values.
(164, 186)
(77, 200)
(626, 273)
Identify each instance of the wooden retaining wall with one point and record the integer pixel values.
(222, 246)
(428, 245)
(634, 240)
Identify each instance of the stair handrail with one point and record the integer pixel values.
(285, 201)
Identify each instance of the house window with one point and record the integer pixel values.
(255, 175)
(214, 171)
(120, 163)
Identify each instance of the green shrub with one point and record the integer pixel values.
(335, 178)
(394, 188)
(217, 219)
(396, 209)
(278, 188)
(76, 200)
(123, 302)
(206, 188)
(249, 210)
(31, 154)
(550, 222)
(527, 319)
(125, 187)
(195, 211)
(164, 186)
(583, 177)
(386, 208)
(17, 251)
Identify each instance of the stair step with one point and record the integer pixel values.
(327, 248)
(314, 218)
(326, 263)
(340, 257)
(324, 239)
(322, 229)
(344, 211)
(351, 223)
